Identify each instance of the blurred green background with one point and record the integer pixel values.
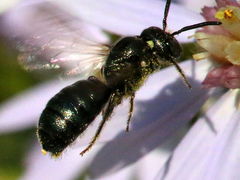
(14, 80)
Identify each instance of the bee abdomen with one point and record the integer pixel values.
(70, 112)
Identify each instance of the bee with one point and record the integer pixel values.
(119, 71)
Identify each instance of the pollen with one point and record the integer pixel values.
(56, 155)
(44, 152)
(60, 122)
(228, 13)
(67, 114)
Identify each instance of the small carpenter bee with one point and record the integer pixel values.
(121, 71)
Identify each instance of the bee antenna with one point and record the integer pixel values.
(194, 26)
(185, 80)
(167, 6)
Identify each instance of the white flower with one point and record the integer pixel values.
(163, 107)
(210, 150)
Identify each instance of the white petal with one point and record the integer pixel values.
(169, 107)
(48, 22)
(6, 4)
(126, 174)
(24, 110)
(211, 149)
(197, 5)
(131, 17)
(117, 16)
(147, 167)
(71, 165)
(67, 167)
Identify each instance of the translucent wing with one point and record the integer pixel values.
(48, 37)
(79, 57)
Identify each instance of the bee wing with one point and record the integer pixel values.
(75, 58)
(55, 39)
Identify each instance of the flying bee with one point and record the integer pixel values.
(119, 71)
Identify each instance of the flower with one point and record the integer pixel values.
(222, 43)
(163, 105)
(210, 150)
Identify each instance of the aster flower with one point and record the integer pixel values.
(210, 150)
(222, 44)
(153, 123)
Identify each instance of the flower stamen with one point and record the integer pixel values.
(228, 13)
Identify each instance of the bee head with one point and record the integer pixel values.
(162, 43)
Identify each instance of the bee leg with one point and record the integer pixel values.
(106, 115)
(130, 111)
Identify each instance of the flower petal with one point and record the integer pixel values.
(69, 166)
(24, 110)
(54, 40)
(224, 3)
(225, 76)
(39, 167)
(125, 17)
(6, 4)
(153, 123)
(197, 5)
(48, 22)
(211, 148)
(131, 16)
(148, 166)
(209, 14)
(214, 44)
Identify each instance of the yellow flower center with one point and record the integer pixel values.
(230, 18)
(228, 13)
